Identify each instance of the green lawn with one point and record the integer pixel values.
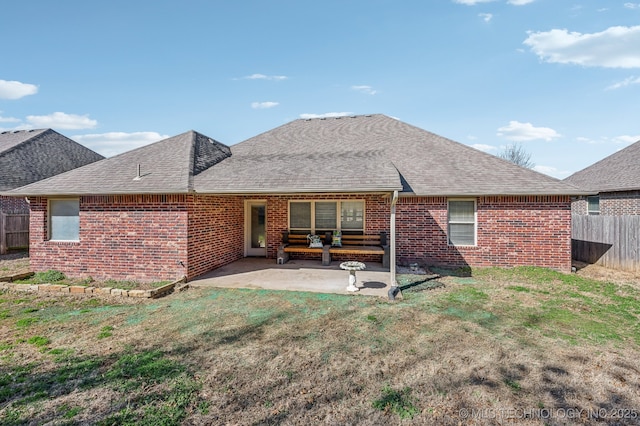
(492, 345)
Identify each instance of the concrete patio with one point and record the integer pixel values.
(296, 275)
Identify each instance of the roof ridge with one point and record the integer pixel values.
(338, 117)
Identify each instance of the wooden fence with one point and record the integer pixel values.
(14, 231)
(611, 241)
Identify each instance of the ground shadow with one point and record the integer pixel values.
(588, 251)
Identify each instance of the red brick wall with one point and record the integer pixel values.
(216, 232)
(511, 231)
(612, 204)
(13, 204)
(620, 203)
(144, 237)
(128, 237)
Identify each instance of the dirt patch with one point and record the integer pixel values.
(18, 263)
(14, 263)
(601, 273)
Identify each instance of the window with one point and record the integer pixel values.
(318, 217)
(64, 220)
(593, 205)
(462, 222)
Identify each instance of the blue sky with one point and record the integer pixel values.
(560, 77)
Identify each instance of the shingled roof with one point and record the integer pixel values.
(617, 172)
(28, 156)
(164, 167)
(370, 153)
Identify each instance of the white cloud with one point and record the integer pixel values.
(589, 141)
(365, 89)
(520, 2)
(16, 89)
(8, 119)
(486, 17)
(112, 143)
(632, 5)
(61, 120)
(264, 105)
(483, 147)
(626, 139)
(624, 83)
(615, 47)
(265, 77)
(552, 171)
(326, 115)
(521, 132)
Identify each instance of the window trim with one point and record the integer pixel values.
(475, 222)
(50, 221)
(338, 202)
(593, 212)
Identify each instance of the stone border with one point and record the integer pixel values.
(102, 291)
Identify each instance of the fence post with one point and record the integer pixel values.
(3, 234)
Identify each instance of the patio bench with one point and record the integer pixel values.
(351, 245)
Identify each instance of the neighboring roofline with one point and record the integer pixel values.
(40, 132)
(609, 190)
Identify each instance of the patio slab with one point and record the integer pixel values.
(296, 275)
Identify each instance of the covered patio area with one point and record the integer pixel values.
(296, 275)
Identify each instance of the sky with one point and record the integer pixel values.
(560, 78)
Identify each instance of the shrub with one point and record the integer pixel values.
(49, 276)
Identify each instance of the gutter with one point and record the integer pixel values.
(394, 290)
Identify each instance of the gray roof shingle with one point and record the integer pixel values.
(618, 172)
(371, 153)
(361, 152)
(28, 156)
(166, 167)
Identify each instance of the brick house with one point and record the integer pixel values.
(614, 183)
(27, 156)
(189, 204)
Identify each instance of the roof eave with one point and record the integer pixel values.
(500, 194)
(298, 191)
(86, 194)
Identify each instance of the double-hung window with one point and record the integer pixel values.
(462, 222)
(318, 217)
(593, 205)
(64, 219)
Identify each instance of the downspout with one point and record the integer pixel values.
(394, 290)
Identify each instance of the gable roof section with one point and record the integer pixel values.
(366, 153)
(28, 156)
(372, 153)
(618, 172)
(167, 166)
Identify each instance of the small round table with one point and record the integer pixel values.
(352, 267)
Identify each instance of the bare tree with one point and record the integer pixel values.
(517, 155)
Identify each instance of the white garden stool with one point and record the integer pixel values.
(352, 267)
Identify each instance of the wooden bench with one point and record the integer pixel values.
(351, 245)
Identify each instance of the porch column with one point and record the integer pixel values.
(392, 251)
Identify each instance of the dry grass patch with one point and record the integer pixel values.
(496, 343)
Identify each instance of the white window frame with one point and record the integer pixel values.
(50, 219)
(593, 212)
(475, 222)
(313, 202)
